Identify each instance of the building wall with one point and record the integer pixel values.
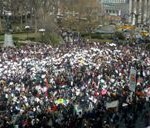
(119, 8)
(115, 1)
(135, 11)
(116, 7)
(139, 10)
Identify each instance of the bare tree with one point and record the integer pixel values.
(77, 14)
(1, 13)
(81, 14)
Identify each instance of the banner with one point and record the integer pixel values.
(132, 79)
(112, 104)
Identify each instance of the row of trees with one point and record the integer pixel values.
(83, 15)
(27, 12)
(49, 14)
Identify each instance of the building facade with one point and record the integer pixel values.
(136, 12)
(116, 7)
(139, 11)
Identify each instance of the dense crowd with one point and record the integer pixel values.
(74, 86)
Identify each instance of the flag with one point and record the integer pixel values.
(132, 79)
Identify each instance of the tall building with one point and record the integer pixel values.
(116, 7)
(139, 11)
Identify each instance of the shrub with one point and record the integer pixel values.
(85, 34)
(148, 47)
(96, 36)
(52, 38)
(17, 44)
(31, 38)
(15, 38)
(101, 36)
(120, 35)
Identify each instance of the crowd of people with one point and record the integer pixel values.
(81, 85)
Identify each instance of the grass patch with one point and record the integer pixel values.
(22, 36)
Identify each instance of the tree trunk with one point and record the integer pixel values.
(26, 19)
(142, 10)
(0, 25)
(137, 13)
(21, 22)
(31, 18)
(35, 24)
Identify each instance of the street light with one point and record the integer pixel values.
(42, 30)
(8, 40)
(27, 29)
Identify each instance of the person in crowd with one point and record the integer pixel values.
(81, 85)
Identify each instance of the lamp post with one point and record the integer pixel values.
(8, 40)
(27, 30)
(42, 30)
